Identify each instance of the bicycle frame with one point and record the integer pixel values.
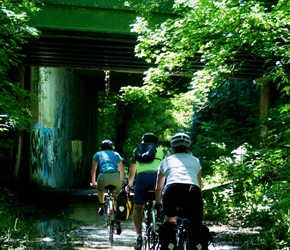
(109, 206)
(150, 221)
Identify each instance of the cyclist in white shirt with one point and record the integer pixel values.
(182, 173)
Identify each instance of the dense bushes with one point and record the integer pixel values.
(256, 189)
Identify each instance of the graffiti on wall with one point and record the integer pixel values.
(41, 151)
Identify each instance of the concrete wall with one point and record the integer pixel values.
(63, 132)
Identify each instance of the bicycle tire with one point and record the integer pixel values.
(184, 240)
(110, 223)
(181, 241)
(144, 228)
(152, 237)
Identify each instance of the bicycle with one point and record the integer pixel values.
(110, 212)
(150, 221)
(185, 231)
(183, 234)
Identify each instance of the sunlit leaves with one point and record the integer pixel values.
(218, 35)
(14, 32)
(217, 31)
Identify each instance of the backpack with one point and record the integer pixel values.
(145, 152)
(124, 206)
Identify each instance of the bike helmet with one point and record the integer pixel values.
(149, 138)
(180, 139)
(106, 144)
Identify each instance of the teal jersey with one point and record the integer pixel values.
(107, 161)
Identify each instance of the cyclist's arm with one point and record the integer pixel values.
(199, 179)
(159, 186)
(93, 173)
(121, 168)
(132, 171)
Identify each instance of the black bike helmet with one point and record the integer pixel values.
(180, 139)
(149, 138)
(106, 144)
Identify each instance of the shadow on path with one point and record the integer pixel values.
(80, 227)
(76, 224)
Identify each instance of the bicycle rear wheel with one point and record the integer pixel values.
(110, 220)
(184, 240)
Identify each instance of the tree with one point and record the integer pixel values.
(15, 100)
(14, 32)
(218, 36)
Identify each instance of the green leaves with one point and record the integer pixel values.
(216, 33)
(14, 32)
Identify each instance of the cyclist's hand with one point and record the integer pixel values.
(157, 206)
(128, 189)
(95, 184)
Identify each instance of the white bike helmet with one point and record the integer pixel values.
(180, 139)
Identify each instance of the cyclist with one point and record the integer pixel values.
(145, 175)
(111, 172)
(182, 173)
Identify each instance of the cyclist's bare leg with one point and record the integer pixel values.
(101, 196)
(137, 218)
(169, 218)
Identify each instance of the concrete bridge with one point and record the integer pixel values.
(95, 35)
(84, 48)
(90, 37)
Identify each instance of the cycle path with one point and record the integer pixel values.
(82, 228)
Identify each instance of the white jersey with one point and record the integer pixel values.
(181, 168)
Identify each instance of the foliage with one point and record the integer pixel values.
(15, 114)
(218, 35)
(256, 190)
(228, 119)
(148, 114)
(146, 7)
(214, 33)
(14, 30)
(107, 110)
(10, 226)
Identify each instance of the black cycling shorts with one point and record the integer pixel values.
(184, 196)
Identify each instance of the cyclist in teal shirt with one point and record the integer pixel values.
(111, 171)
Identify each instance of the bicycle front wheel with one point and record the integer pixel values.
(152, 237)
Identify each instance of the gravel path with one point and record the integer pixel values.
(84, 229)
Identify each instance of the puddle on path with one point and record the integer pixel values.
(84, 229)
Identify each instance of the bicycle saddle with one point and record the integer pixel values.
(110, 187)
(150, 191)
